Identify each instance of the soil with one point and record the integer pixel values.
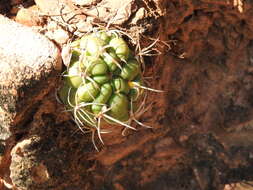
(202, 122)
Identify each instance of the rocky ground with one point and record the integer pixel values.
(202, 127)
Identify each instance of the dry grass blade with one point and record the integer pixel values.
(147, 88)
(56, 95)
(93, 139)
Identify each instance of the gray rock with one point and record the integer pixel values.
(29, 64)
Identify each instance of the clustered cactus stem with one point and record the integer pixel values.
(103, 83)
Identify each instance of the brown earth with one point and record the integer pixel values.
(202, 135)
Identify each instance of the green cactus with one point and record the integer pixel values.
(102, 82)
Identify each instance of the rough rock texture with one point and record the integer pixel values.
(212, 80)
(114, 11)
(29, 16)
(202, 125)
(23, 158)
(62, 10)
(52, 7)
(85, 2)
(79, 19)
(29, 64)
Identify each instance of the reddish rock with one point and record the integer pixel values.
(29, 16)
(25, 171)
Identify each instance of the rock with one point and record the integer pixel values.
(139, 15)
(64, 11)
(83, 26)
(49, 7)
(114, 11)
(56, 8)
(43, 161)
(56, 33)
(84, 2)
(121, 10)
(29, 65)
(59, 35)
(52, 25)
(25, 171)
(29, 16)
